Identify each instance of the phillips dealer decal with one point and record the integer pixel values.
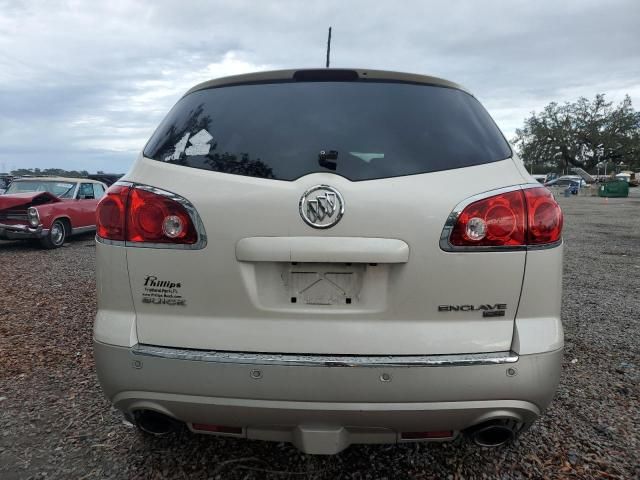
(162, 292)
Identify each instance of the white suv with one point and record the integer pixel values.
(329, 257)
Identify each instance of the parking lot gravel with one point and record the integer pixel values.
(55, 422)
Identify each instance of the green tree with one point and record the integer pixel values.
(581, 134)
(50, 172)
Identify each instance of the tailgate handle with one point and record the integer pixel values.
(322, 250)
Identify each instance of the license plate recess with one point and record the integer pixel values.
(325, 284)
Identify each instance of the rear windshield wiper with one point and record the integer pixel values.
(328, 159)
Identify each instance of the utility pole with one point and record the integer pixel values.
(328, 48)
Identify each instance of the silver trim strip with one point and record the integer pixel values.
(16, 227)
(79, 230)
(452, 219)
(20, 228)
(278, 359)
(188, 206)
(20, 232)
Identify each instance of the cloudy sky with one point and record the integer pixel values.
(83, 84)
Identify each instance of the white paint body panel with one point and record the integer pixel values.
(239, 305)
(538, 324)
(115, 321)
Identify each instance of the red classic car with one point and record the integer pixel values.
(49, 209)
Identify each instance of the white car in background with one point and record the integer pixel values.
(567, 181)
(329, 257)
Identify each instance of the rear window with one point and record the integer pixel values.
(360, 130)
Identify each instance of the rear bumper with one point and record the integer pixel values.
(21, 232)
(323, 409)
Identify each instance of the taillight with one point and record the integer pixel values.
(493, 221)
(138, 214)
(516, 218)
(110, 213)
(156, 218)
(544, 217)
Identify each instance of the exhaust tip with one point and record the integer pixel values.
(493, 433)
(155, 423)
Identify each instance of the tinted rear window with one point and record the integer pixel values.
(367, 130)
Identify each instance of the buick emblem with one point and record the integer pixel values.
(321, 206)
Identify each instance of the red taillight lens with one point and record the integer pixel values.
(518, 218)
(148, 215)
(493, 221)
(544, 217)
(138, 215)
(110, 213)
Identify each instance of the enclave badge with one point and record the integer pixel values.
(321, 206)
(487, 309)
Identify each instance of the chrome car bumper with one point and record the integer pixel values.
(20, 232)
(323, 404)
(274, 359)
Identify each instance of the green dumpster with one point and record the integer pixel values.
(616, 188)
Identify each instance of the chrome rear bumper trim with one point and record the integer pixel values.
(213, 356)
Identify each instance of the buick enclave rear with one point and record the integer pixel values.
(329, 257)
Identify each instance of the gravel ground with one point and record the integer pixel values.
(55, 423)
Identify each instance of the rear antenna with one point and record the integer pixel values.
(328, 47)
